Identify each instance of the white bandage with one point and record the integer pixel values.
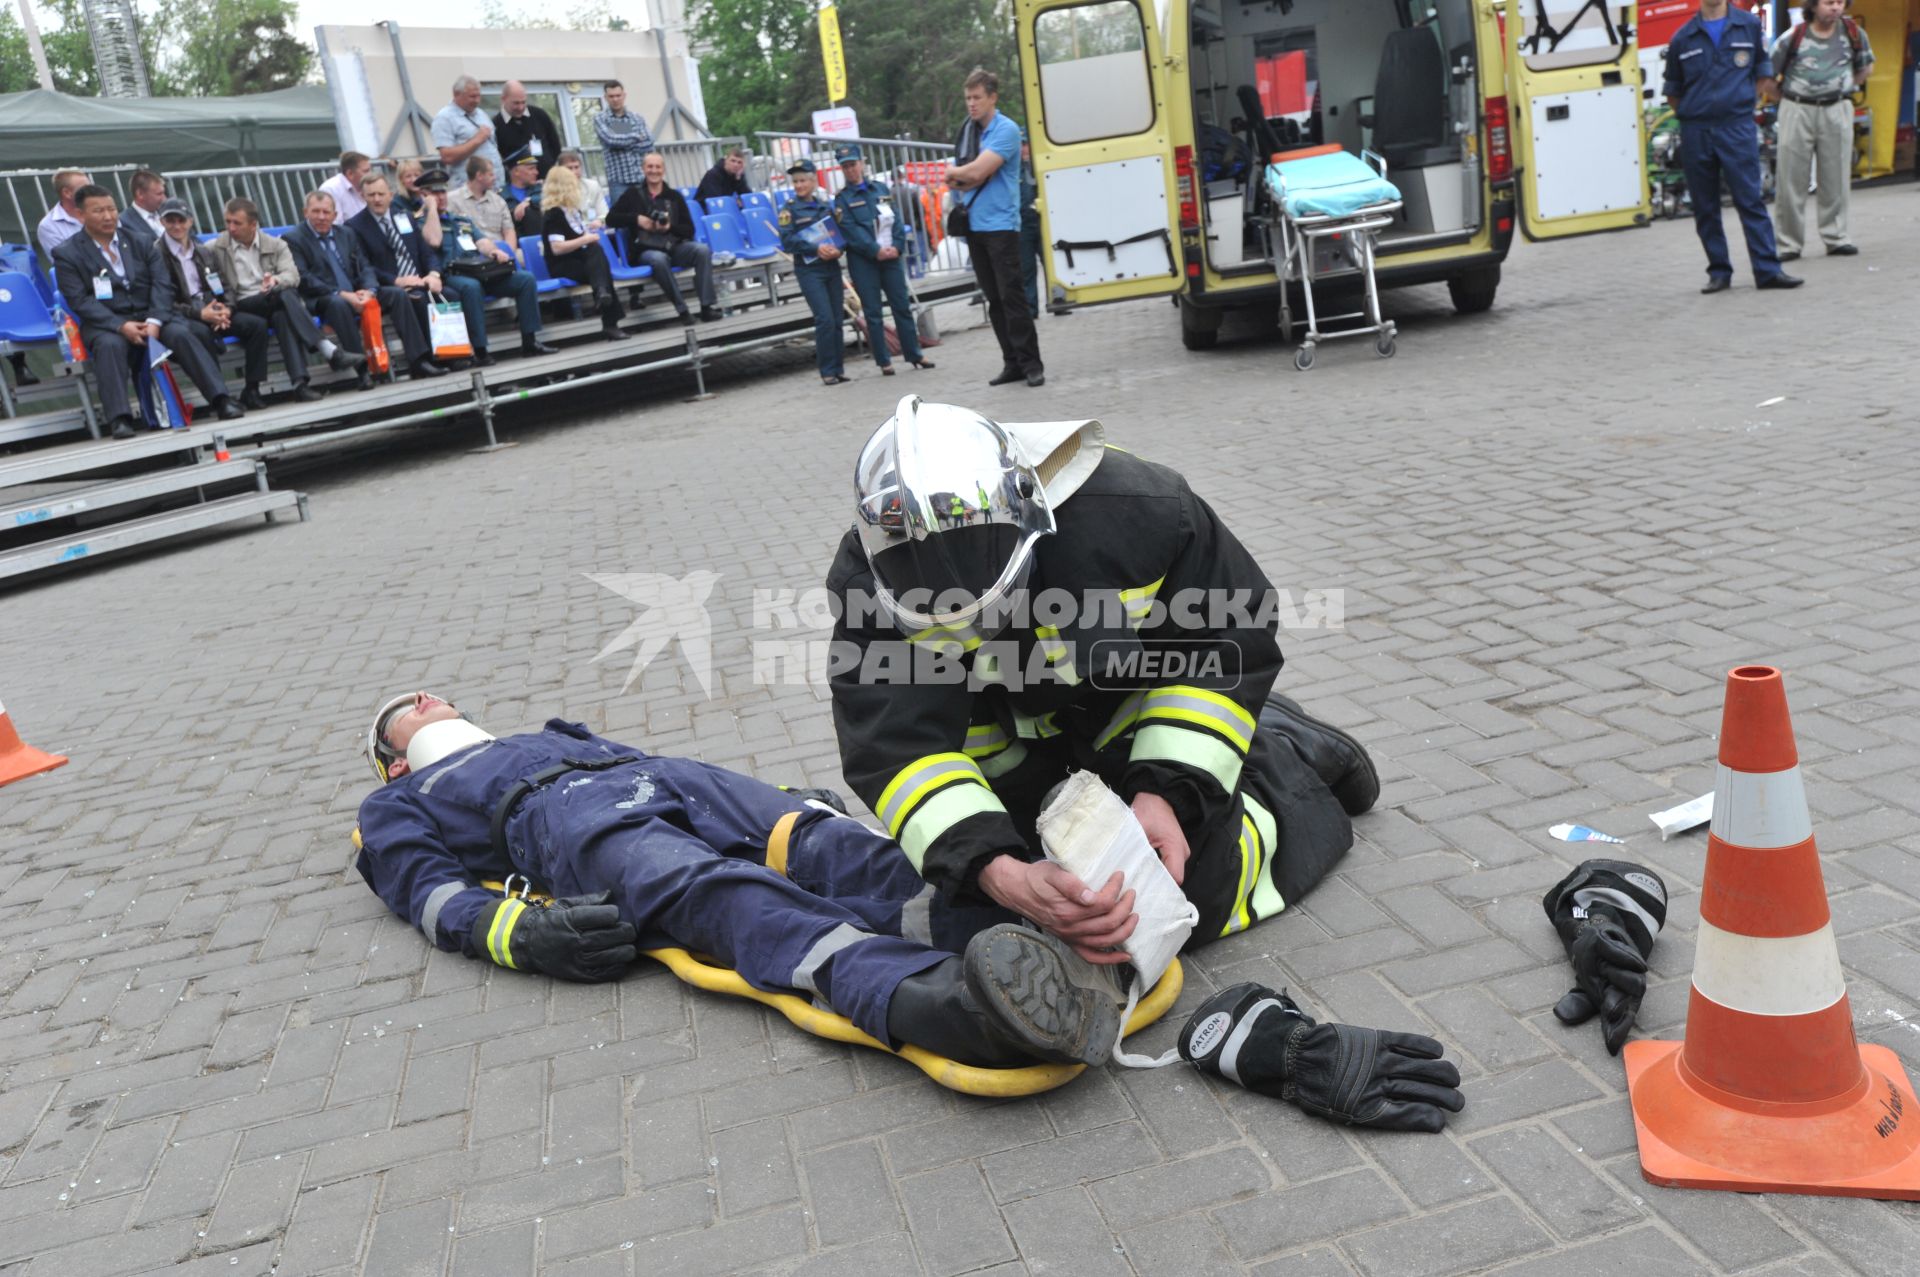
(1091, 833)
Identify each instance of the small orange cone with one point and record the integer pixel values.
(1770, 1093)
(18, 759)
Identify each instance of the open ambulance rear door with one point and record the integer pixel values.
(1579, 132)
(1103, 152)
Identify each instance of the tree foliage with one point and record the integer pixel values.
(760, 63)
(193, 48)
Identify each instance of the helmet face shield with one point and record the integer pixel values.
(948, 511)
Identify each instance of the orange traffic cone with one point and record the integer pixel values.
(1770, 1093)
(18, 759)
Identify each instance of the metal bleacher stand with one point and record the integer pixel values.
(52, 496)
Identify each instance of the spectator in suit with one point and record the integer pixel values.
(520, 123)
(462, 129)
(344, 186)
(103, 278)
(477, 201)
(262, 282)
(338, 281)
(727, 178)
(63, 219)
(624, 141)
(458, 240)
(659, 228)
(595, 189)
(186, 285)
(572, 247)
(392, 243)
(523, 193)
(143, 218)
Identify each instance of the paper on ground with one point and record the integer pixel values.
(1580, 833)
(1677, 820)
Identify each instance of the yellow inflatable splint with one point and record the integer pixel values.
(808, 1018)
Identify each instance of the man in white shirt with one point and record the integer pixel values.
(62, 221)
(344, 186)
(462, 128)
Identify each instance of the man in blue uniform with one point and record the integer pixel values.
(1716, 65)
(811, 237)
(876, 235)
(642, 851)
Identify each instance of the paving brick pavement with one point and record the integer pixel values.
(1556, 526)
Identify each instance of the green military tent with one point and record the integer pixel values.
(45, 130)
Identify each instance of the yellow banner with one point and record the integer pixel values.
(835, 54)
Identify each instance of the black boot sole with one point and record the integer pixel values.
(1358, 788)
(1020, 981)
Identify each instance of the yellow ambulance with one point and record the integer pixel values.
(1151, 123)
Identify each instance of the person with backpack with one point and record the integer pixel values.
(1818, 65)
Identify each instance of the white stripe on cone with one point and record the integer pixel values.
(1760, 809)
(1769, 975)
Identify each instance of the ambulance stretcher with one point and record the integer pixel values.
(1326, 193)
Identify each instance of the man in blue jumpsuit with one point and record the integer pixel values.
(1716, 65)
(816, 264)
(642, 851)
(876, 236)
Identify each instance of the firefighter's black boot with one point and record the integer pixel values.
(1336, 758)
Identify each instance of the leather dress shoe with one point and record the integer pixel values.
(227, 410)
(251, 400)
(1036, 378)
(710, 313)
(1717, 284)
(1336, 758)
(534, 346)
(1007, 377)
(1789, 257)
(484, 359)
(122, 428)
(1781, 280)
(1841, 250)
(364, 381)
(342, 359)
(423, 368)
(305, 393)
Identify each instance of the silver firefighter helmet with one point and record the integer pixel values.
(949, 510)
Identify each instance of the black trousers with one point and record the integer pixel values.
(250, 331)
(588, 265)
(395, 307)
(112, 356)
(996, 265)
(298, 337)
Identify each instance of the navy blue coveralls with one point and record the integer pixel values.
(819, 281)
(857, 210)
(1713, 88)
(682, 846)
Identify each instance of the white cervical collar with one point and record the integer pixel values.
(437, 740)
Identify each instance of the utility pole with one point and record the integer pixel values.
(34, 46)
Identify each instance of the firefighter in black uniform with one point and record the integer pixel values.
(1097, 615)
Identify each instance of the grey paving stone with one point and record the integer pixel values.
(1308, 1212)
(561, 1185)
(1560, 1186)
(1070, 1159)
(1190, 1244)
(851, 1193)
(256, 1202)
(1318, 1262)
(728, 1247)
(1061, 1232)
(329, 1225)
(504, 1252)
(953, 1221)
(1645, 1250)
(882, 1257)
(755, 1167)
(587, 1121)
(411, 1241)
(1459, 1240)
(611, 1225)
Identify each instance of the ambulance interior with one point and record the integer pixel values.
(1395, 77)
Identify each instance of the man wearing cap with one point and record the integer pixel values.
(454, 238)
(187, 285)
(522, 193)
(985, 178)
(1098, 616)
(659, 228)
(810, 236)
(644, 851)
(876, 234)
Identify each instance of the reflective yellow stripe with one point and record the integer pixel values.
(1186, 703)
(500, 934)
(1164, 742)
(1122, 719)
(1240, 919)
(1031, 728)
(1004, 761)
(916, 780)
(942, 812)
(1138, 601)
(986, 739)
(778, 841)
(1265, 901)
(950, 640)
(1058, 654)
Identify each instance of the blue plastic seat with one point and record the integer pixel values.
(782, 196)
(614, 243)
(24, 317)
(722, 204)
(536, 263)
(700, 231)
(756, 199)
(763, 233)
(20, 257)
(726, 234)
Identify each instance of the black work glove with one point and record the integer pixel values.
(1364, 1077)
(1608, 914)
(578, 938)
